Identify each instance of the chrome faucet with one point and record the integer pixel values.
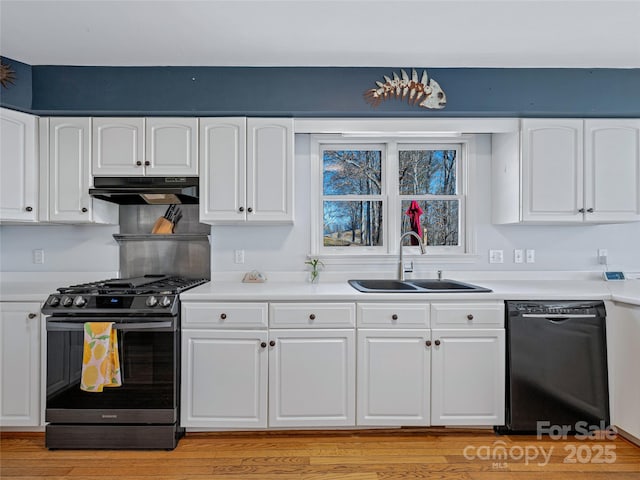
(422, 252)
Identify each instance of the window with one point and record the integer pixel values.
(371, 192)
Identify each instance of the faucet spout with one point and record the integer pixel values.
(422, 252)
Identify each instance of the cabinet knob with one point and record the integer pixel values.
(147, 163)
(581, 210)
(428, 343)
(263, 345)
(437, 342)
(139, 163)
(312, 317)
(249, 209)
(469, 317)
(32, 315)
(29, 209)
(223, 316)
(241, 209)
(84, 210)
(590, 210)
(272, 343)
(394, 317)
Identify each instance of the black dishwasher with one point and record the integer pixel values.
(556, 366)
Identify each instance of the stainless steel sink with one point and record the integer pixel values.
(414, 286)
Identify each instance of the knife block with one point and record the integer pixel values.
(162, 227)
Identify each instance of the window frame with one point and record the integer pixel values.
(392, 217)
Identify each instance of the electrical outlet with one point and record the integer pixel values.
(518, 255)
(602, 256)
(531, 256)
(239, 256)
(496, 256)
(38, 256)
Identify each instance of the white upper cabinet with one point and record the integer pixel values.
(18, 166)
(118, 147)
(567, 171)
(171, 146)
(612, 170)
(69, 174)
(247, 170)
(139, 146)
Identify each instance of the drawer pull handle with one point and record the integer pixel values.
(428, 343)
(84, 210)
(312, 317)
(241, 209)
(263, 344)
(223, 316)
(469, 317)
(272, 343)
(437, 342)
(394, 317)
(29, 209)
(138, 163)
(249, 209)
(32, 315)
(147, 163)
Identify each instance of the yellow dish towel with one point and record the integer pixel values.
(100, 363)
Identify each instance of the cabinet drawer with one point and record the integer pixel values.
(310, 315)
(224, 315)
(471, 314)
(399, 315)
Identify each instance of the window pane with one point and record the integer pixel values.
(427, 172)
(440, 218)
(352, 224)
(351, 172)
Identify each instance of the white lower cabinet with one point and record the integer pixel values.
(468, 377)
(623, 338)
(299, 370)
(224, 381)
(394, 377)
(20, 325)
(312, 376)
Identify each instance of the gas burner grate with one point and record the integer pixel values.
(148, 284)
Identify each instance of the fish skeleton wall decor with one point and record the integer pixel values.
(426, 91)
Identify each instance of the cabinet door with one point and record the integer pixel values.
(612, 170)
(224, 379)
(270, 170)
(623, 338)
(394, 377)
(222, 170)
(312, 378)
(69, 169)
(468, 377)
(171, 146)
(118, 147)
(18, 167)
(552, 170)
(20, 364)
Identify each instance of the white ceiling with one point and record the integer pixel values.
(390, 33)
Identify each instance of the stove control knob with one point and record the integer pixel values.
(151, 301)
(67, 301)
(165, 302)
(54, 301)
(79, 301)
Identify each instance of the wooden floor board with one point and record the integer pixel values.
(343, 455)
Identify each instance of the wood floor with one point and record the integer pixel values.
(350, 455)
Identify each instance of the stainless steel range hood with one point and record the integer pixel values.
(146, 190)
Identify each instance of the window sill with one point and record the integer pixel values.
(388, 259)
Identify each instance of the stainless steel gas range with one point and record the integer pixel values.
(142, 413)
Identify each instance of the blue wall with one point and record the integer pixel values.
(328, 91)
(17, 96)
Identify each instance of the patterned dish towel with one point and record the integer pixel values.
(100, 363)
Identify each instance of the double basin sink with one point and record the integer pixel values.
(415, 286)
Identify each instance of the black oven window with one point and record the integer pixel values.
(148, 366)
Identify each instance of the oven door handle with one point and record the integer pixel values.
(164, 326)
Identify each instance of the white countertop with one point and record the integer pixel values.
(342, 291)
(36, 288)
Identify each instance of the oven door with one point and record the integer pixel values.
(149, 356)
